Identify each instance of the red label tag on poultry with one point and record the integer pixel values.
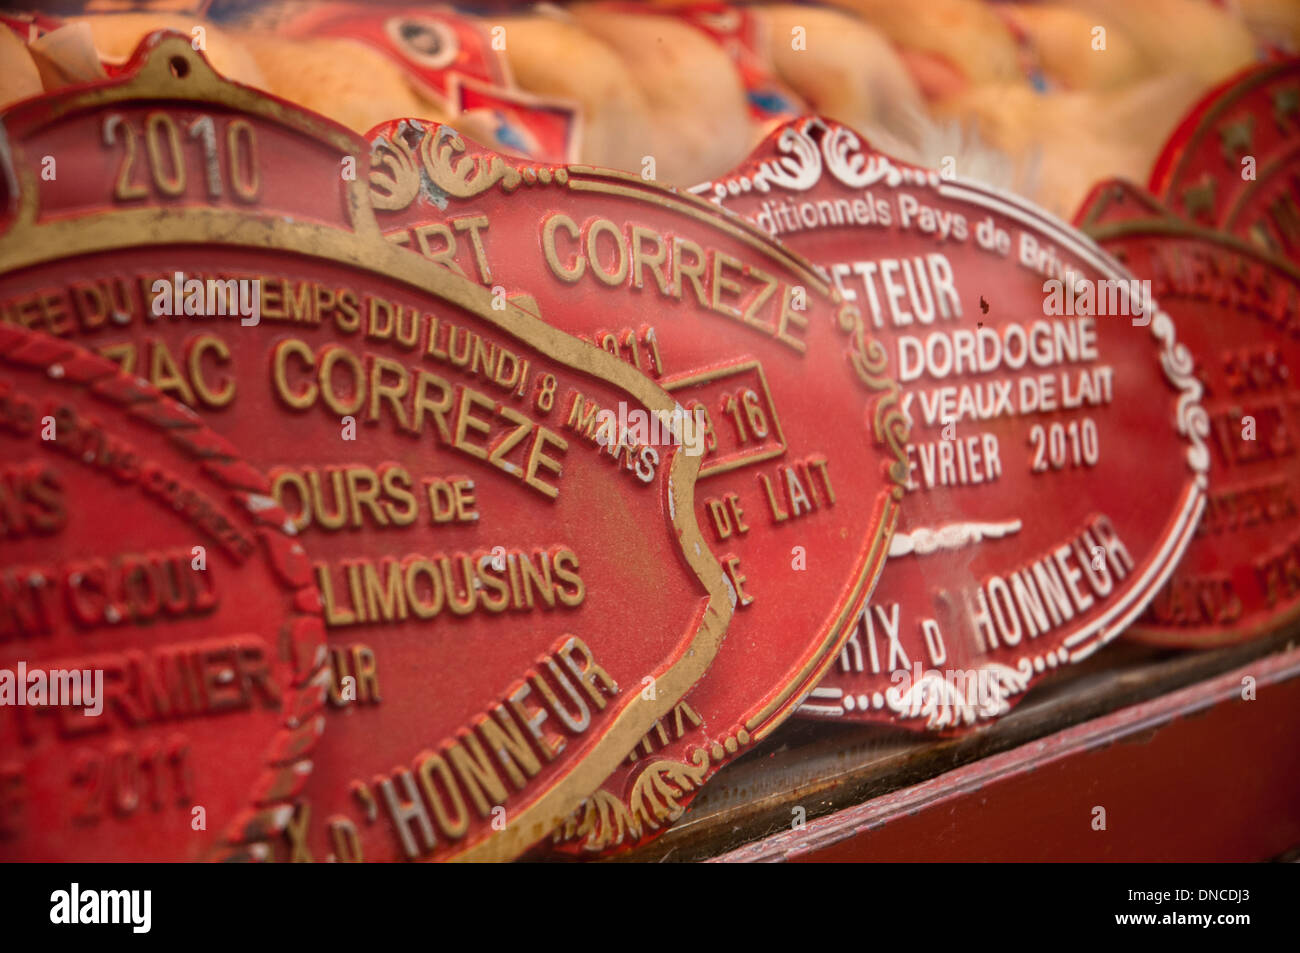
(1234, 162)
(1055, 472)
(457, 63)
(481, 564)
(1239, 312)
(162, 658)
(433, 44)
(30, 26)
(744, 37)
(531, 126)
(784, 393)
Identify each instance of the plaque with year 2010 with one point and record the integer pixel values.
(1057, 461)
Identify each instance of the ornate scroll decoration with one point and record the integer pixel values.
(657, 788)
(946, 705)
(1179, 368)
(945, 700)
(603, 821)
(431, 159)
(925, 540)
(397, 187)
(870, 361)
(840, 153)
(467, 176)
(844, 160)
(798, 170)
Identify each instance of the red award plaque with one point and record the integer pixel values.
(1234, 161)
(1057, 463)
(786, 395)
(496, 588)
(162, 658)
(1238, 309)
